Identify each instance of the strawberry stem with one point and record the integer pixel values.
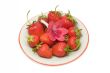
(42, 16)
(27, 16)
(78, 32)
(69, 12)
(56, 8)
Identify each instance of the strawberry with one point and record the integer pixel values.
(59, 49)
(71, 31)
(68, 20)
(45, 39)
(36, 29)
(33, 40)
(45, 51)
(66, 23)
(74, 43)
(54, 16)
(74, 31)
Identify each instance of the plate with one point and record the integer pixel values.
(54, 61)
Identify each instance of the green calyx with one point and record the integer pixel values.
(58, 13)
(30, 39)
(67, 49)
(27, 16)
(78, 32)
(42, 16)
(30, 24)
(70, 17)
(34, 49)
(37, 47)
(34, 22)
(78, 43)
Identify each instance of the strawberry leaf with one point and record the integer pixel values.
(34, 22)
(42, 16)
(78, 43)
(67, 49)
(37, 47)
(78, 32)
(34, 49)
(30, 39)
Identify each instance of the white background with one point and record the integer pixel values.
(95, 14)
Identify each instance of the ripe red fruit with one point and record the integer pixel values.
(36, 29)
(71, 32)
(33, 40)
(72, 43)
(45, 51)
(45, 39)
(59, 49)
(54, 16)
(74, 31)
(66, 23)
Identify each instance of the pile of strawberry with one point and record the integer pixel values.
(59, 38)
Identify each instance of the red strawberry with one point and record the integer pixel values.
(71, 31)
(74, 43)
(66, 23)
(45, 39)
(74, 31)
(36, 29)
(59, 49)
(33, 40)
(68, 20)
(54, 16)
(45, 51)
